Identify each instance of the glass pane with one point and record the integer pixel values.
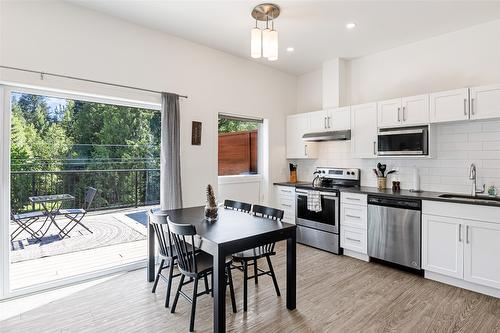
(61, 150)
(238, 147)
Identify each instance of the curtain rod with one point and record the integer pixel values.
(86, 80)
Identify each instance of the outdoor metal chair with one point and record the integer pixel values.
(76, 215)
(24, 222)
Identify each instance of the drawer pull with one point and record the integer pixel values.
(286, 205)
(353, 216)
(355, 199)
(353, 240)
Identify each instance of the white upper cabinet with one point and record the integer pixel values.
(318, 121)
(485, 102)
(449, 105)
(296, 126)
(405, 111)
(415, 110)
(389, 113)
(364, 130)
(339, 119)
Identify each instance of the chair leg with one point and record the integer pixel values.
(245, 284)
(169, 283)
(275, 282)
(231, 288)
(176, 298)
(158, 275)
(255, 271)
(205, 278)
(193, 305)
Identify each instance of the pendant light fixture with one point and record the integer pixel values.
(264, 43)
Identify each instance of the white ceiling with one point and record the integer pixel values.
(316, 29)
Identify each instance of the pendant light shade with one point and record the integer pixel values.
(256, 43)
(264, 43)
(273, 48)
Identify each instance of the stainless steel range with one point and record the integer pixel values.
(321, 229)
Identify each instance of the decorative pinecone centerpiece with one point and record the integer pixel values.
(211, 206)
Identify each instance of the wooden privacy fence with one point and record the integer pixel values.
(237, 153)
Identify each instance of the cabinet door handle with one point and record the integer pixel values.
(353, 216)
(353, 240)
(460, 233)
(305, 150)
(399, 115)
(374, 147)
(328, 122)
(404, 113)
(472, 105)
(465, 106)
(467, 234)
(324, 122)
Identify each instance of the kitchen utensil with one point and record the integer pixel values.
(382, 168)
(392, 171)
(375, 171)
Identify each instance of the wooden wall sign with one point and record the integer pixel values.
(196, 133)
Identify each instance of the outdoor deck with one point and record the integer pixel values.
(118, 238)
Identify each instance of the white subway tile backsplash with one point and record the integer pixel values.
(457, 146)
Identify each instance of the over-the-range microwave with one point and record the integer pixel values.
(403, 141)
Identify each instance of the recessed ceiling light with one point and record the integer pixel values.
(350, 25)
(290, 49)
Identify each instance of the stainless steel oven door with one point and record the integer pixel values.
(327, 219)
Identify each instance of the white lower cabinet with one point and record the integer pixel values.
(482, 253)
(285, 200)
(354, 225)
(462, 248)
(442, 247)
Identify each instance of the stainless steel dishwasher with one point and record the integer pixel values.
(394, 230)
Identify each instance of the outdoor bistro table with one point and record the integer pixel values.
(232, 232)
(51, 205)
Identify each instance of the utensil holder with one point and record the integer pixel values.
(382, 183)
(293, 176)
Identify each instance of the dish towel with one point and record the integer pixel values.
(314, 201)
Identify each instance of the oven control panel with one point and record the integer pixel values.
(338, 173)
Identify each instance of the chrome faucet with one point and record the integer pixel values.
(472, 176)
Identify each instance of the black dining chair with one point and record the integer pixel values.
(250, 257)
(166, 251)
(194, 265)
(237, 205)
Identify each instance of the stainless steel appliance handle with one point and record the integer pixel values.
(402, 152)
(413, 131)
(460, 233)
(327, 195)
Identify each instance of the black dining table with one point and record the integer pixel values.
(232, 232)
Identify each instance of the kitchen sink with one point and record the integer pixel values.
(470, 197)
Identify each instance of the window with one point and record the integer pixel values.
(238, 145)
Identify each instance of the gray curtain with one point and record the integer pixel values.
(170, 159)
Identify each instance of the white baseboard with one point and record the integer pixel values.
(356, 255)
(462, 284)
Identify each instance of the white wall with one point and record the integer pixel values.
(58, 37)
(310, 91)
(464, 58)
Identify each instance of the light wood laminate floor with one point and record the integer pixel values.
(335, 294)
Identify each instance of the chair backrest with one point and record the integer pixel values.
(182, 234)
(268, 212)
(159, 222)
(237, 205)
(89, 197)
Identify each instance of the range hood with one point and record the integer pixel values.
(328, 136)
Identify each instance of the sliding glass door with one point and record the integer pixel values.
(78, 176)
